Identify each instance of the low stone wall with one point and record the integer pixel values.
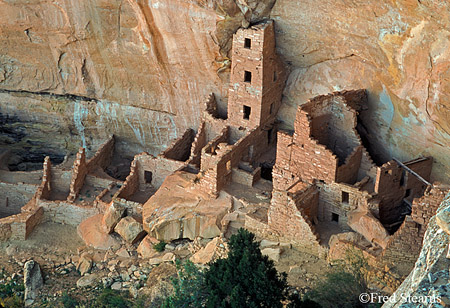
(66, 212)
(20, 226)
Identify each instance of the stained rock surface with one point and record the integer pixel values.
(141, 69)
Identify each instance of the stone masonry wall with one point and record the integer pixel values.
(405, 245)
(180, 148)
(197, 145)
(102, 158)
(348, 172)
(292, 223)
(79, 172)
(131, 184)
(44, 190)
(257, 77)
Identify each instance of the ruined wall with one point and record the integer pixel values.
(291, 222)
(159, 167)
(406, 243)
(102, 158)
(228, 156)
(415, 187)
(244, 177)
(131, 184)
(333, 124)
(13, 197)
(340, 198)
(348, 172)
(44, 190)
(301, 157)
(393, 184)
(79, 172)
(180, 148)
(20, 226)
(199, 142)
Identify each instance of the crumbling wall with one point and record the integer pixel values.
(44, 190)
(301, 157)
(415, 187)
(160, 167)
(20, 226)
(131, 184)
(13, 197)
(348, 172)
(103, 157)
(393, 183)
(199, 142)
(66, 212)
(180, 148)
(219, 158)
(244, 177)
(290, 220)
(333, 124)
(405, 245)
(339, 199)
(79, 172)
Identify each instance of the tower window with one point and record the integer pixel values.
(247, 76)
(271, 108)
(345, 197)
(334, 217)
(247, 111)
(248, 43)
(275, 76)
(148, 176)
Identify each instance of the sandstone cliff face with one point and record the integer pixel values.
(141, 69)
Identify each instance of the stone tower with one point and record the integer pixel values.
(257, 77)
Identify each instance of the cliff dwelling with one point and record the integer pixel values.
(315, 187)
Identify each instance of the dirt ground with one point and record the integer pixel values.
(56, 248)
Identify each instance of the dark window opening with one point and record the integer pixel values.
(345, 197)
(408, 193)
(271, 108)
(247, 76)
(266, 172)
(247, 111)
(269, 136)
(275, 77)
(148, 176)
(248, 43)
(402, 179)
(334, 217)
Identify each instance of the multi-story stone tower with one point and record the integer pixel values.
(257, 77)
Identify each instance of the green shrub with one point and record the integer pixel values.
(189, 289)
(160, 246)
(110, 299)
(68, 301)
(342, 286)
(245, 278)
(11, 294)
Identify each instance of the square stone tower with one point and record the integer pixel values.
(257, 77)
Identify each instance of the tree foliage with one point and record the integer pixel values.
(246, 278)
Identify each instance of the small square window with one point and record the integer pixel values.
(334, 217)
(345, 197)
(148, 176)
(247, 76)
(247, 111)
(248, 43)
